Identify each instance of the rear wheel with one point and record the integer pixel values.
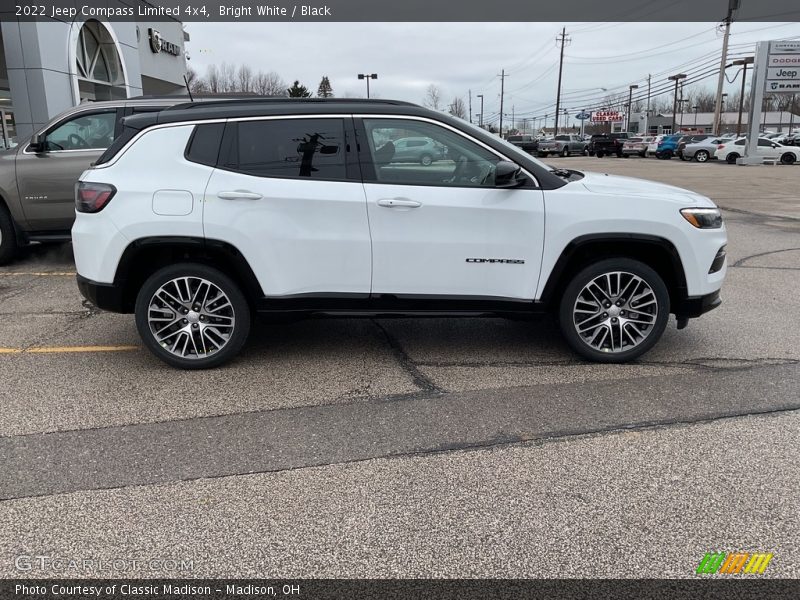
(788, 159)
(192, 316)
(701, 156)
(599, 154)
(8, 237)
(732, 158)
(614, 310)
(426, 160)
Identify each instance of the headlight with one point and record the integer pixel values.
(703, 218)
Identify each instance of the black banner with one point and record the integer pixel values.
(408, 589)
(402, 10)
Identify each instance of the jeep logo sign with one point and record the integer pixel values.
(159, 44)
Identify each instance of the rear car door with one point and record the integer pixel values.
(287, 193)
(445, 230)
(46, 179)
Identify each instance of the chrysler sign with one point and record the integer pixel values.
(159, 44)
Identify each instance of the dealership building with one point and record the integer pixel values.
(50, 65)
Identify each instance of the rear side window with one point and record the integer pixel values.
(287, 148)
(204, 145)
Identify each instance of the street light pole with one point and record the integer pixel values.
(480, 124)
(676, 79)
(630, 99)
(367, 76)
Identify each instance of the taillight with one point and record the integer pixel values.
(92, 197)
(720, 147)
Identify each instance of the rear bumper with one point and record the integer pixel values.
(105, 296)
(695, 306)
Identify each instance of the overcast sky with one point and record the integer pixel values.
(457, 57)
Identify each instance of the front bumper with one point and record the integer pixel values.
(695, 306)
(105, 296)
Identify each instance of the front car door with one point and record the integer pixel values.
(287, 193)
(445, 230)
(46, 179)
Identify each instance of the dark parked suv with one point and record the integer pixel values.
(37, 178)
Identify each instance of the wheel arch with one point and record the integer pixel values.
(656, 252)
(145, 256)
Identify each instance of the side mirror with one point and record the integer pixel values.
(508, 175)
(38, 143)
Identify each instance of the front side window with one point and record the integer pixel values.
(84, 132)
(447, 159)
(288, 148)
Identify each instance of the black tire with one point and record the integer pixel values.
(599, 155)
(732, 158)
(788, 159)
(592, 271)
(542, 154)
(702, 156)
(565, 151)
(426, 160)
(619, 155)
(624, 155)
(240, 308)
(9, 246)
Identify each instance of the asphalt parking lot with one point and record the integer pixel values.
(416, 448)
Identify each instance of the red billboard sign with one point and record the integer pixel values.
(607, 116)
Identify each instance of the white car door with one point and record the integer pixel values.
(445, 230)
(288, 195)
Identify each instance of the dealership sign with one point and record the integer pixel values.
(783, 68)
(607, 116)
(159, 44)
(583, 115)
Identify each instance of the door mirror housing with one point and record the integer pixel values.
(38, 143)
(508, 175)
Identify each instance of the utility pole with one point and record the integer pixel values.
(744, 62)
(470, 106)
(513, 117)
(480, 122)
(562, 40)
(676, 79)
(502, 92)
(732, 6)
(630, 100)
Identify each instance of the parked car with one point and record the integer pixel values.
(689, 139)
(607, 143)
(202, 215)
(652, 147)
(527, 143)
(668, 146)
(731, 151)
(417, 150)
(636, 145)
(702, 150)
(564, 145)
(37, 178)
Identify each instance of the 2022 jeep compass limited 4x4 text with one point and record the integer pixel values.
(201, 215)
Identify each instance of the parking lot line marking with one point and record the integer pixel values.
(39, 273)
(66, 349)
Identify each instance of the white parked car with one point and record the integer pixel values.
(732, 150)
(652, 145)
(199, 216)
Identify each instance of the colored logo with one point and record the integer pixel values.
(733, 563)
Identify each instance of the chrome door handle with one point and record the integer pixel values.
(399, 202)
(239, 195)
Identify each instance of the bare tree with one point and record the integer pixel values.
(244, 79)
(433, 97)
(227, 78)
(212, 79)
(269, 84)
(457, 108)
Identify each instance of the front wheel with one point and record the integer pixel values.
(8, 237)
(614, 310)
(788, 159)
(701, 156)
(192, 316)
(426, 160)
(599, 155)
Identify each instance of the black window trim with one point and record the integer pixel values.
(352, 172)
(368, 167)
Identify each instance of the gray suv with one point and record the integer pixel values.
(417, 150)
(37, 178)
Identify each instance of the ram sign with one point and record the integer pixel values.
(607, 116)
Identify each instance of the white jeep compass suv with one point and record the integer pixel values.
(200, 215)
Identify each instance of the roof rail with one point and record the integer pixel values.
(284, 100)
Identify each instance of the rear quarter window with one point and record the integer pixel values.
(204, 144)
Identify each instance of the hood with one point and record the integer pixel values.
(616, 185)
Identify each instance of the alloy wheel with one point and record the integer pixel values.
(615, 312)
(191, 317)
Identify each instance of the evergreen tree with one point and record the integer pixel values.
(325, 90)
(298, 91)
